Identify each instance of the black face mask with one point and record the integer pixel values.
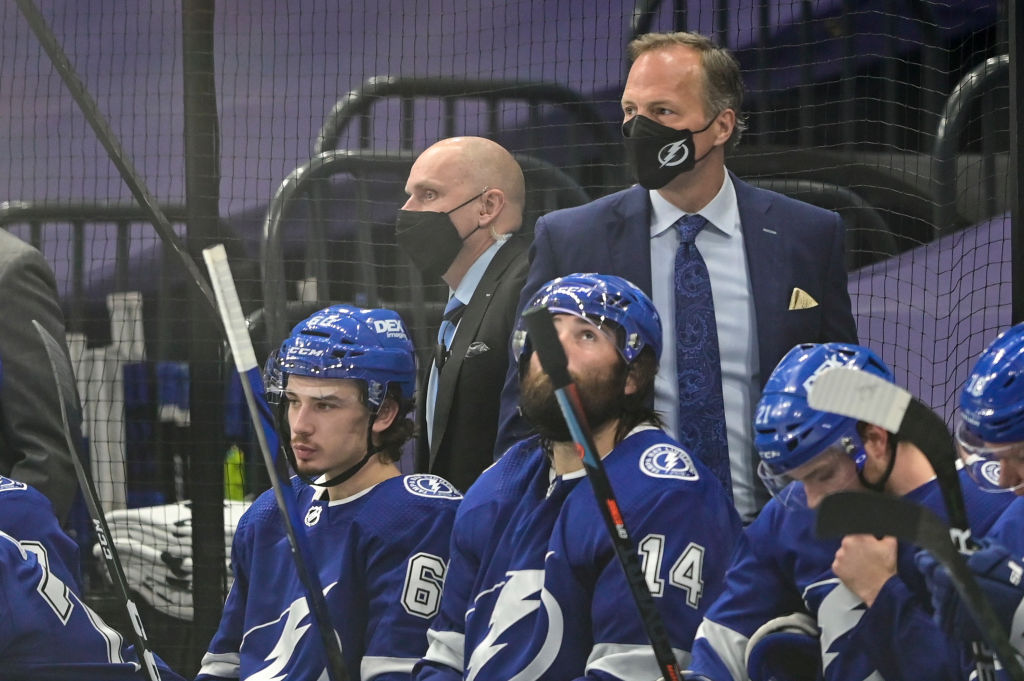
(657, 153)
(430, 239)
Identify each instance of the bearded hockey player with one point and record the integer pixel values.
(799, 608)
(345, 378)
(534, 589)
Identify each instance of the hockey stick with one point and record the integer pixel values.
(67, 399)
(844, 513)
(544, 339)
(866, 397)
(230, 309)
(106, 136)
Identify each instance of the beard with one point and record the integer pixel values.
(601, 396)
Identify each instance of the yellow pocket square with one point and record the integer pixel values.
(801, 300)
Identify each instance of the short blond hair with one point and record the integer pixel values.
(723, 84)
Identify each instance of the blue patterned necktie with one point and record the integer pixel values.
(698, 364)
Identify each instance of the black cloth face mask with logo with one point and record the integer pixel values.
(657, 153)
(430, 239)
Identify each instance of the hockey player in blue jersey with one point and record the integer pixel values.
(48, 633)
(345, 377)
(534, 590)
(990, 439)
(796, 607)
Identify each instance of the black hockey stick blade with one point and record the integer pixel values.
(872, 399)
(545, 342)
(845, 513)
(67, 398)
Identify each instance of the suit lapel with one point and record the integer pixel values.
(628, 236)
(466, 333)
(762, 240)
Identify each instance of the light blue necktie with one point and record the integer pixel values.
(452, 313)
(698, 364)
(445, 334)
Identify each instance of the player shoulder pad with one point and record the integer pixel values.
(667, 460)
(8, 485)
(427, 485)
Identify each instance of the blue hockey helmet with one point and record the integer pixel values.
(787, 431)
(599, 298)
(991, 420)
(340, 341)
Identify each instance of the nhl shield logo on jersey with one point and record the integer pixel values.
(425, 485)
(313, 515)
(8, 485)
(668, 461)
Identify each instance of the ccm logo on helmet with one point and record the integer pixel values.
(391, 327)
(311, 352)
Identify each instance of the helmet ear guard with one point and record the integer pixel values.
(608, 302)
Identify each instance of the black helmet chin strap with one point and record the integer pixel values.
(371, 449)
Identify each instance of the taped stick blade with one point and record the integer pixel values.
(860, 395)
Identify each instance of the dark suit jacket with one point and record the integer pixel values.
(32, 445)
(788, 244)
(469, 383)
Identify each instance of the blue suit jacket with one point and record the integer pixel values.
(788, 244)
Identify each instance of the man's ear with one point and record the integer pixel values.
(491, 205)
(723, 126)
(875, 439)
(385, 415)
(632, 379)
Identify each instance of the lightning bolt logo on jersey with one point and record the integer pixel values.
(519, 598)
(283, 637)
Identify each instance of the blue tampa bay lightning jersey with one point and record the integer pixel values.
(48, 634)
(381, 556)
(534, 589)
(27, 515)
(781, 567)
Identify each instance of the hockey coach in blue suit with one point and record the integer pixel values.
(774, 271)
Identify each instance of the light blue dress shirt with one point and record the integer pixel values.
(464, 292)
(721, 246)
